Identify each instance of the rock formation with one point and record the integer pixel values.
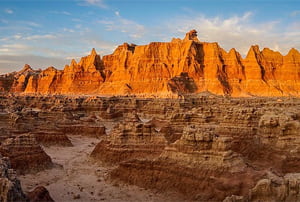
(202, 146)
(84, 77)
(10, 187)
(52, 138)
(25, 154)
(167, 69)
(40, 194)
(272, 188)
(129, 140)
(214, 147)
(191, 35)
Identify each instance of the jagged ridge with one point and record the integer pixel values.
(166, 69)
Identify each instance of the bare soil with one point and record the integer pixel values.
(77, 177)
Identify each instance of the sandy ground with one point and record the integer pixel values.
(80, 179)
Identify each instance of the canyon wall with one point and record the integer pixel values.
(167, 69)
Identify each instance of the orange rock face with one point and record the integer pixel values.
(82, 78)
(165, 69)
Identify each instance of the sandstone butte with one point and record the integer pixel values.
(167, 69)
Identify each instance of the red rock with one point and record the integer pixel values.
(81, 78)
(146, 70)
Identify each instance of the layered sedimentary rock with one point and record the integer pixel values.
(25, 154)
(10, 187)
(77, 78)
(132, 139)
(200, 165)
(52, 138)
(167, 69)
(215, 147)
(204, 146)
(51, 119)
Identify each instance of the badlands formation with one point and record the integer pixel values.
(165, 69)
(178, 121)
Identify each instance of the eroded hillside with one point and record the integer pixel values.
(201, 147)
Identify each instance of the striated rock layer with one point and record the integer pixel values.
(25, 154)
(167, 69)
(202, 146)
(133, 138)
(208, 147)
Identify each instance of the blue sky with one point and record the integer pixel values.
(51, 32)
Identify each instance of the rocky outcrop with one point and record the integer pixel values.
(214, 147)
(40, 194)
(6, 82)
(77, 78)
(191, 35)
(272, 188)
(10, 187)
(51, 119)
(17, 81)
(131, 139)
(278, 133)
(202, 146)
(200, 165)
(25, 154)
(167, 69)
(21, 79)
(52, 138)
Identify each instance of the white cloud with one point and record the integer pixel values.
(17, 36)
(68, 30)
(60, 12)
(16, 46)
(78, 26)
(132, 28)
(99, 3)
(18, 26)
(32, 24)
(4, 50)
(13, 48)
(238, 32)
(9, 11)
(65, 13)
(35, 37)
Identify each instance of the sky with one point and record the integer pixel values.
(46, 33)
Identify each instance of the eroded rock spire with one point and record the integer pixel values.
(191, 35)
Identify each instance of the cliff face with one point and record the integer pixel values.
(82, 78)
(166, 69)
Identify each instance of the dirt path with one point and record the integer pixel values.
(81, 179)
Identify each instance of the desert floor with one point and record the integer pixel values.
(76, 177)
